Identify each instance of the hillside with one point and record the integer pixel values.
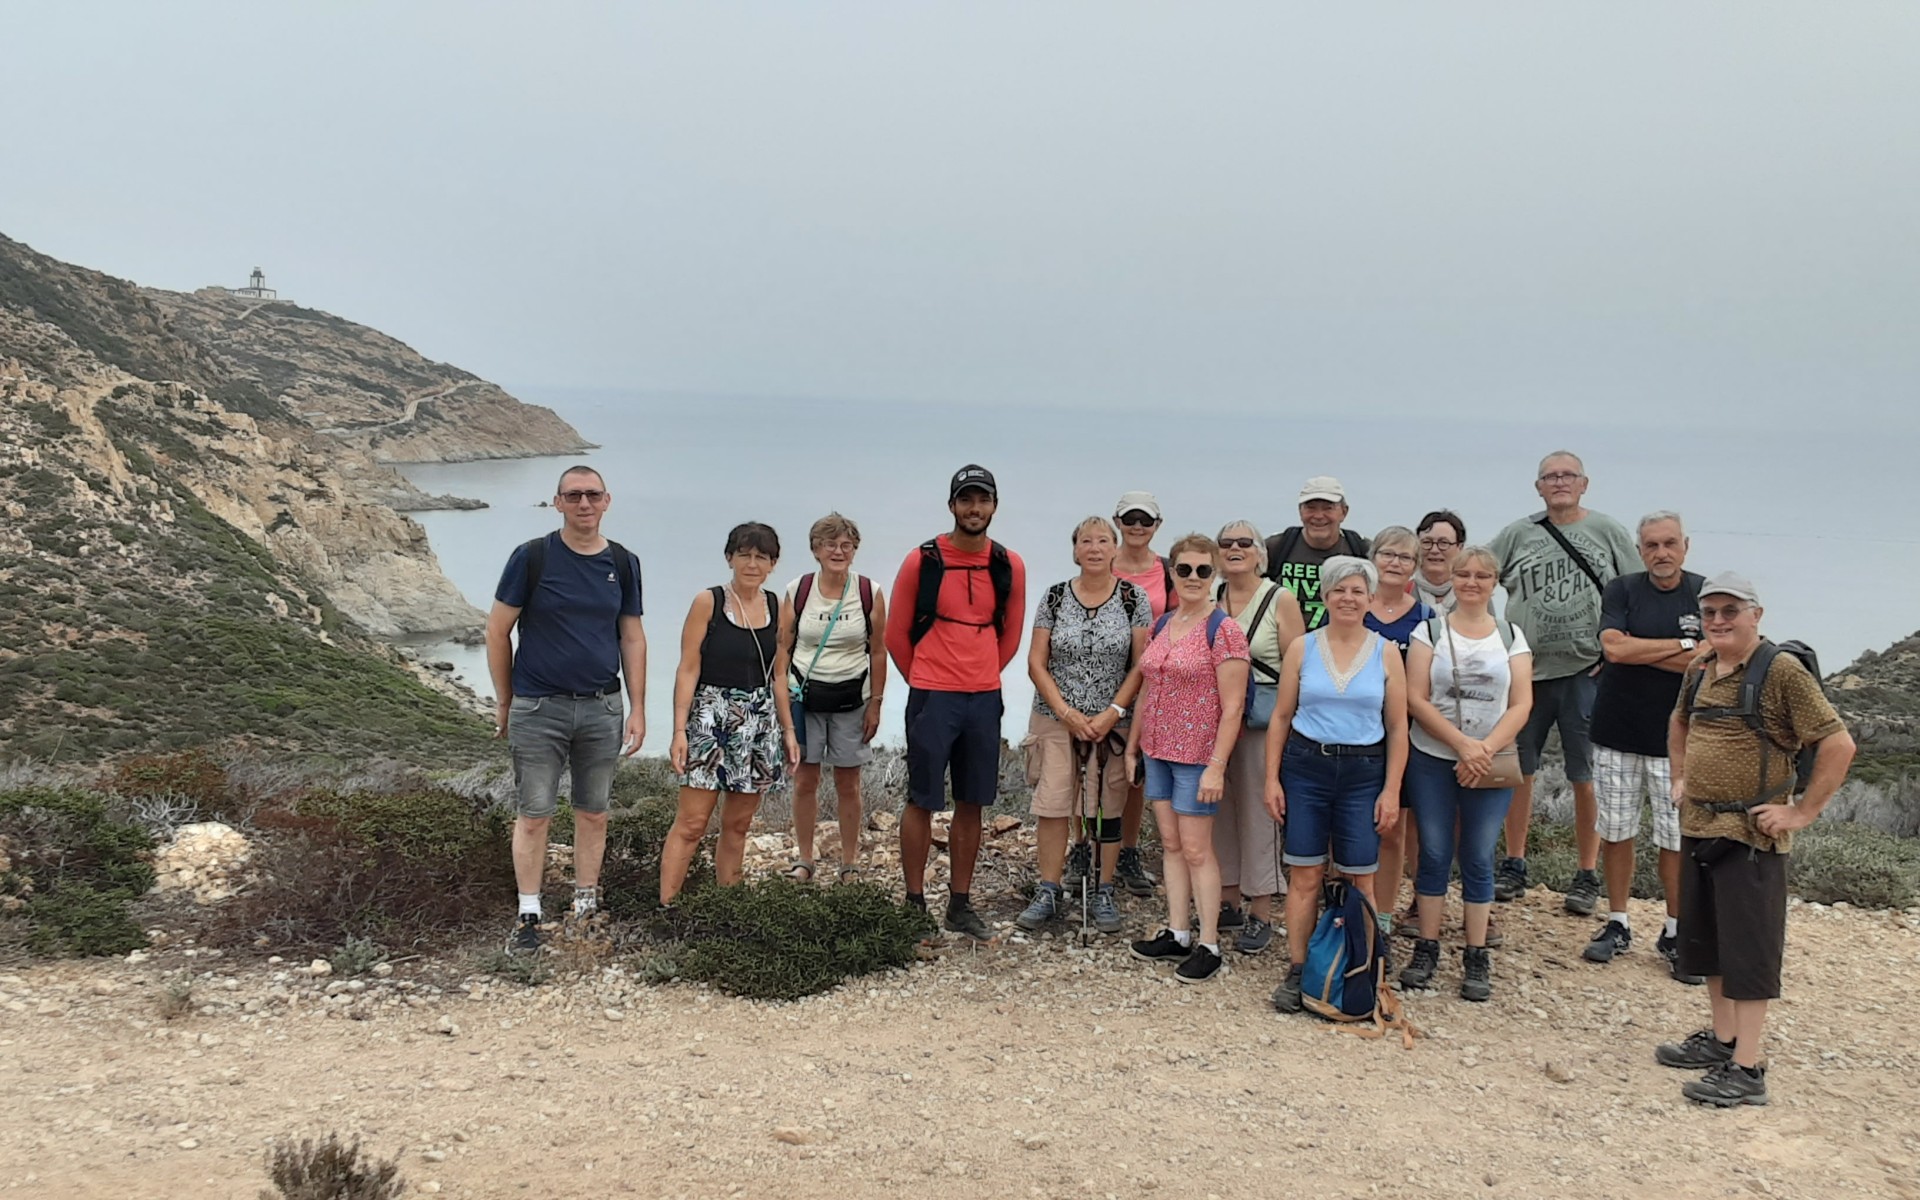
(1879, 693)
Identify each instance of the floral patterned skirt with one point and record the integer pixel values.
(734, 743)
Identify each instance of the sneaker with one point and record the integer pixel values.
(1510, 880)
(1701, 1049)
(525, 937)
(964, 920)
(1478, 983)
(1104, 911)
(1583, 893)
(1426, 960)
(1613, 938)
(1200, 965)
(1254, 936)
(1079, 863)
(1286, 997)
(1131, 874)
(1669, 948)
(1728, 1085)
(1231, 917)
(1164, 947)
(1045, 907)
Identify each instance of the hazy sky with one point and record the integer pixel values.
(1668, 210)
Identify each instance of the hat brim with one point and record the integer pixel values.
(1136, 509)
(1336, 497)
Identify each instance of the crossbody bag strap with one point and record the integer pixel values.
(827, 633)
(1453, 664)
(1586, 567)
(1253, 627)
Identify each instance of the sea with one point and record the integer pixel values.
(1803, 512)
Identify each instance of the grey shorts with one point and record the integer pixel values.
(833, 739)
(1568, 704)
(549, 735)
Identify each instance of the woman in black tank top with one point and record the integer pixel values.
(730, 737)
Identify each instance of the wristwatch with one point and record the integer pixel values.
(1688, 643)
(1118, 709)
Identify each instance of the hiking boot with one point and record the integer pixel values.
(1104, 911)
(1407, 924)
(1510, 880)
(1669, 948)
(1478, 984)
(962, 919)
(1231, 917)
(1164, 947)
(1582, 894)
(1728, 1085)
(1256, 935)
(1286, 997)
(1426, 960)
(525, 937)
(1045, 907)
(1200, 965)
(1701, 1049)
(1131, 874)
(1495, 939)
(1079, 864)
(1613, 938)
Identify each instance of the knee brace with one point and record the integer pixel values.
(1106, 830)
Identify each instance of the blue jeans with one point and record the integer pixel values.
(1330, 803)
(1177, 783)
(549, 735)
(1440, 805)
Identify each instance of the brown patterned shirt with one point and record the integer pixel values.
(1724, 757)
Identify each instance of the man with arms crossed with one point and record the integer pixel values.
(1649, 632)
(1554, 565)
(966, 595)
(1734, 787)
(576, 598)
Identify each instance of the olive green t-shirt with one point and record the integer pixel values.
(1550, 597)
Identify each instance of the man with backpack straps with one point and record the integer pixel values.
(966, 596)
(1294, 555)
(1747, 714)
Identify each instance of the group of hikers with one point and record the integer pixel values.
(1297, 709)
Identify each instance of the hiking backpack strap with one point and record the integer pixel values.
(866, 600)
(1215, 619)
(1000, 574)
(1355, 544)
(536, 566)
(1130, 598)
(801, 590)
(1289, 542)
(1166, 576)
(1752, 683)
(926, 598)
(623, 561)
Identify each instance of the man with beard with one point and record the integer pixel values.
(967, 596)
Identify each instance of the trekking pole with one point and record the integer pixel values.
(1083, 753)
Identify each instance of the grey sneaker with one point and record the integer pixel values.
(525, 936)
(1045, 907)
(1728, 1085)
(1478, 983)
(1104, 911)
(962, 919)
(1613, 938)
(1426, 960)
(1079, 863)
(1254, 936)
(1669, 948)
(1510, 880)
(1701, 1049)
(1131, 874)
(1286, 997)
(1583, 893)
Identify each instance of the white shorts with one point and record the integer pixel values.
(1620, 782)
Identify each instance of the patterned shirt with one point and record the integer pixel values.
(1180, 704)
(1090, 649)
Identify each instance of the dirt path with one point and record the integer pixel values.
(1014, 1070)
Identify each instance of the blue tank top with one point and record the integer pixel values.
(1342, 713)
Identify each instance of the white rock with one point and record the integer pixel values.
(319, 967)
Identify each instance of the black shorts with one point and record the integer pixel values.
(1733, 919)
(957, 730)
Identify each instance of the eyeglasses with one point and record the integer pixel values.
(591, 496)
(1185, 570)
(1561, 477)
(1709, 613)
(1239, 543)
(1393, 556)
(1434, 543)
(841, 547)
(1137, 519)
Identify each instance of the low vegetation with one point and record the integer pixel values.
(330, 1169)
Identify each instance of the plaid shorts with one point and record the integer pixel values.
(1620, 782)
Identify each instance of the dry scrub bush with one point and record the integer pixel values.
(74, 865)
(329, 1169)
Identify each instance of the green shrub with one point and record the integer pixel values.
(77, 865)
(775, 939)
(330, 1169)
(1834, 861)
(192, 775)
(630, 877)
(76, 919)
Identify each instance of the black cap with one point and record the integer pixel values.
(973, 475)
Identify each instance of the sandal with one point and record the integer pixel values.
(801, 872)
(849, 873)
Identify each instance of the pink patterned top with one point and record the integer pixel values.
(1180, 704)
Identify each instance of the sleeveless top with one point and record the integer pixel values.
(733, 657)
(1262, 643)
(1340, 711)
(846, 654)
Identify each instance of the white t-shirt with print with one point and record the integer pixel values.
(1481, 699)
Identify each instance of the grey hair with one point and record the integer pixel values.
(1342, 566)
(1478, 553)
(1394, 535)
(1541, 469)
(1259, 543)
(1655, 517)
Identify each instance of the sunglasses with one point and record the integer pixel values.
(592, 496)
(1188, 570)
(1708, 612)
(1239, 543)
(1138, 519)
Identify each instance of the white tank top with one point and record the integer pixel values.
(845, 655)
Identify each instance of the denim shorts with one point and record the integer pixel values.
(1567, 703)
(549, 735)
(1179, 784)
(1330, 801)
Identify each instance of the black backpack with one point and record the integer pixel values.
(1748, 710)
(1280, 547)
(623, 563)
(933, 569)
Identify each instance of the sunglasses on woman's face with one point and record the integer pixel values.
(1137, 519)
(1239, 543)
(1186, 570)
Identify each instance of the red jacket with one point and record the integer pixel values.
(960, 654)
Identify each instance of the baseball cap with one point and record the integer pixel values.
(1137, 502)
(1727, 583)
(973, 475)
(1323, 487)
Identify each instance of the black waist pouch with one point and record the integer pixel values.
(1708, 851)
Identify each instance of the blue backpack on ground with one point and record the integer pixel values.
(1346, 973)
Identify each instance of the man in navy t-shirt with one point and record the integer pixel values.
(576, 599)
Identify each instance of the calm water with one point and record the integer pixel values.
(1830, 560)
